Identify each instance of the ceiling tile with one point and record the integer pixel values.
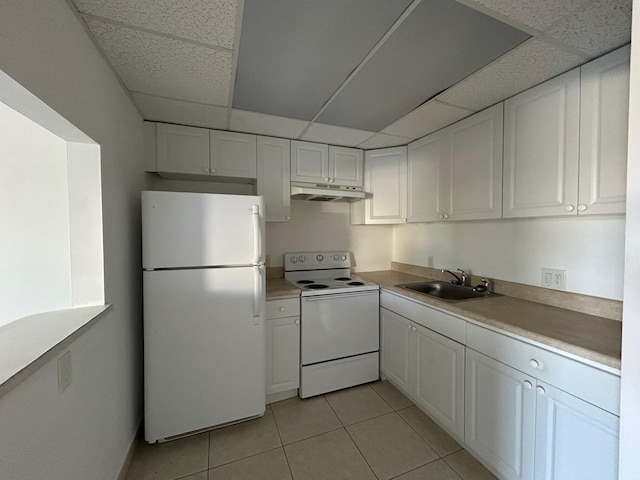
(165, 67)
(295, 54)
(176, 111)
(537, 14)
(524, 67)
(348, 137)
(599, 28)
(208, 21)
(440, 43)
(263, 124)
(426, 119)
(382, 140)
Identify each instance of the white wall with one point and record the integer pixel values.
(35, 273)
(324, 226)
(86, 431)
(590, 249)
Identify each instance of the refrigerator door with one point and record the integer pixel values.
(204, 348)
(199, 230)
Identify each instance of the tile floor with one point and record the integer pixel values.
(366, 432)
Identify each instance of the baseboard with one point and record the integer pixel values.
(130, 453)
(278, 397)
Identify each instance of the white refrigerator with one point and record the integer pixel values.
(204, 303)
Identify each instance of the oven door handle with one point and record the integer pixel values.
(335, 296)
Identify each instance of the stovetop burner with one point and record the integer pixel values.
(304, 282)
(355, 283)
(343, 279)
(316, 286)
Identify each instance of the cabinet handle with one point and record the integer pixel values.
(533, 363)
(327, 179)
(404, 219)
(413, 329)
(442, 216)
(288, 217)
(206, 170)
(297, 322)
(409, 327)
(569, 208)
(540, 390)
(213, 170)
(528, 385)
(446, 216)
(282, 309)
(582, 207)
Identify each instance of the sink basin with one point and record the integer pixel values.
(445, 291)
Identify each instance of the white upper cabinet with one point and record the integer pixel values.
(345, 166)
(182, 149)
(427, 160)
(309, 162)
(541, 149)
(274, 173)
(604, 111)
(385, 181)
(473, 184)
(233, 154)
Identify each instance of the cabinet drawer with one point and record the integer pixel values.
(285, 307)
(589, 383)
(443, 323)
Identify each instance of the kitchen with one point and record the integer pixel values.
(122, 180)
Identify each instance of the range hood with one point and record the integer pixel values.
(322, 192)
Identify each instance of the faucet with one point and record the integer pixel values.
(460, 279)
(485, 286)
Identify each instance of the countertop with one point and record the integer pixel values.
(590, 337)
(281, 288)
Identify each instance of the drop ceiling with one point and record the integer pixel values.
(367, 73)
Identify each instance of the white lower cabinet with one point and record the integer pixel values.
(282, 346)
(429, 367)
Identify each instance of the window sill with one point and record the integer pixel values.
(28, 343)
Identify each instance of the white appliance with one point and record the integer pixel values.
(204, 303)
(339, 339)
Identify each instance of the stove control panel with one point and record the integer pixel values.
(316, 260)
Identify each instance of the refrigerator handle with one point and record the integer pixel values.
(257, 235)
(257, 291)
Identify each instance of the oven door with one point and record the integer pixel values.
(338, 326)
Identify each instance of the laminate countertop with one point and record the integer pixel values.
(281, 288)
(590, 337)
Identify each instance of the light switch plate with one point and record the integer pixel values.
(553, 278)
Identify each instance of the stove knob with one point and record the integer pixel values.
(294, 259)
(343, 258)
(319, 258)
(336, 257)
(302, 258)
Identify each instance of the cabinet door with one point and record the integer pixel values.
(274, 177)
(574, 439)
(385, 181)
(499, 415)
(233, 154)
(474, 181)
(182, 149)
(427, 161)
(309, 162)
(439, 379)
(345, 166)
(282, 354)
(396, 349)
(541, 149)
(604, 112)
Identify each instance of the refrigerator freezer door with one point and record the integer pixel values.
(198, 230)
(204, 358)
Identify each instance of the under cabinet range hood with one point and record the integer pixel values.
(322, 192)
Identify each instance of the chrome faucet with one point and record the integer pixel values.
(460, 279)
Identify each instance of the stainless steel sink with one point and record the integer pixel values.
(445, 291)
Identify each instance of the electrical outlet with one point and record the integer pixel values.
(553, 278)
(64, 371)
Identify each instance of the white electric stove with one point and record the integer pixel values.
(339, 339)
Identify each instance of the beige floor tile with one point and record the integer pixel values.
(391, 395)
(437, 470)
(356, 404)
(429, 431)
(390, 446)
(299, 419)
(197, 476)
(331, 455)
(243, 440)
(171, 460)
(270, 465)
(467, 467)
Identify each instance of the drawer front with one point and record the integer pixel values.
(584, 381)
(284, 307)
(440, 322)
